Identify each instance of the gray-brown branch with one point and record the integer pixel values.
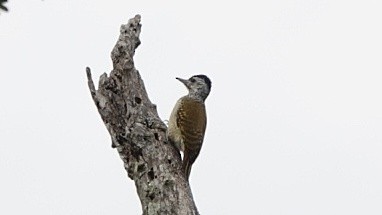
(137, 132)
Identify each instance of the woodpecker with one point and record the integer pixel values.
(188, 120)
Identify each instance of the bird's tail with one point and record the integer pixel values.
(186, 168)
(188, 159)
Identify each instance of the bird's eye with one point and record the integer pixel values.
(192, 80)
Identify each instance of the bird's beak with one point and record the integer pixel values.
(184, 81)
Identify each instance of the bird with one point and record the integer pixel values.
(188, 120)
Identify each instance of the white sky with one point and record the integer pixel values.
(295, 112)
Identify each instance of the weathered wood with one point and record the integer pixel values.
(138, 133)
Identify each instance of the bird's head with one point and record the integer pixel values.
(198, 86)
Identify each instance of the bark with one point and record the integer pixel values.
(137, 132)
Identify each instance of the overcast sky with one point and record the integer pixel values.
(294, 116)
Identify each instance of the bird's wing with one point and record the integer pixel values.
(192, 123)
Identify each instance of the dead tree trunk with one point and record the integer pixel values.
(138, 133)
